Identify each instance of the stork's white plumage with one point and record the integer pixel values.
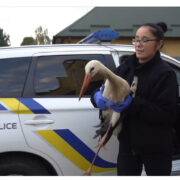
(116, 89)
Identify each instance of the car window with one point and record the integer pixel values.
(63, 75)
(123, 56)
(13, 74)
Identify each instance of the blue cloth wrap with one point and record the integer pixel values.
(102, 102)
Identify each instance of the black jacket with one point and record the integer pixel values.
(148, 122)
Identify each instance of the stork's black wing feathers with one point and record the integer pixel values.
(102, 130)
(104, 127)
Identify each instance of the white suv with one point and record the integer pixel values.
(44, 129)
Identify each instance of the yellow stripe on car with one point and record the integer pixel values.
(69, 152)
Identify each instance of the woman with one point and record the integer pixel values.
(146, 135)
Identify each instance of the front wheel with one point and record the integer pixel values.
(22, 166)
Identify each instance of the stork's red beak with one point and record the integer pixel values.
(86, 82)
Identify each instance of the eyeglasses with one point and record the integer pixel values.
(142, 41)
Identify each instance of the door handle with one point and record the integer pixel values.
(37, 122)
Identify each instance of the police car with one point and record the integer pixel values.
(44, 128)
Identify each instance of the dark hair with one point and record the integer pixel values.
(158, 29)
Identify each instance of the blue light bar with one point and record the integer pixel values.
(100, 36)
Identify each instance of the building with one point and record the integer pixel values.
(125, 20)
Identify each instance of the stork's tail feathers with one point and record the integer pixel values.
(105, 133)
(95, 136)
(102, 130)
(99, 125)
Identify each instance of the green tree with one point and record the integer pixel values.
(42, 36)
(4, 38)
(28, 41)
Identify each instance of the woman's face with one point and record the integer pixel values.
(145, 49)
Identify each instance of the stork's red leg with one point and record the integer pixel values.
(89, 171)
(100, 145)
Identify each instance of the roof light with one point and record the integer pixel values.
(100, 36)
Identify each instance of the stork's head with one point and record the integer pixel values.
(91, 69)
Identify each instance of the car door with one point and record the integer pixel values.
(56, 123)
(13, 73)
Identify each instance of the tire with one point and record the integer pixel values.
(22, 166)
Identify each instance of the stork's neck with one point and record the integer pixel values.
(108, 74)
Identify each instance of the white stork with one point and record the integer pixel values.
(116, 89)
